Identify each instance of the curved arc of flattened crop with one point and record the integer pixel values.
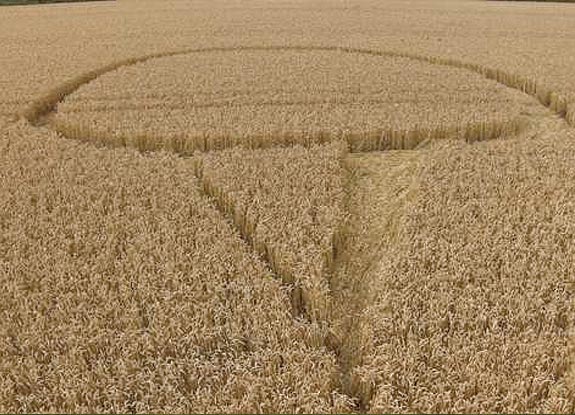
(43, 106)
(364, 141)
(40, 110)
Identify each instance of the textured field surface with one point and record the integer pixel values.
(289, 204)
(380, 186)
(297, 206)
(469, 323)
(4, 121)
(30, 2)
(258, 98)
(124, 289)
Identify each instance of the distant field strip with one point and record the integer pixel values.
(542, 1)
(32, 2)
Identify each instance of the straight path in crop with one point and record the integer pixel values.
(379, 185)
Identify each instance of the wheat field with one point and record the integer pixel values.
(297, 206)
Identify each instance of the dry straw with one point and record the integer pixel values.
(125, 290)
(153, 283)
(194, 109)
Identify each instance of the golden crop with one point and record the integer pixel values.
(289, 205)
(478, 287)
(259, 98)
(297, 206)
(124, 289)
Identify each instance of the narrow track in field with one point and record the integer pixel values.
(380, 184)
(44, 105)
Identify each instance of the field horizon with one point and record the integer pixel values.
(39, 2)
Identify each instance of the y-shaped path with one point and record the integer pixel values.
(380, 184)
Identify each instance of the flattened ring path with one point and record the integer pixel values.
(39, 112)
(42, 107)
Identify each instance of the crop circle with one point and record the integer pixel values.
(256, 98)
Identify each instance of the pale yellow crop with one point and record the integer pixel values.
(295, 206)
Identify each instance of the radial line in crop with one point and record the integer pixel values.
(40, 111)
